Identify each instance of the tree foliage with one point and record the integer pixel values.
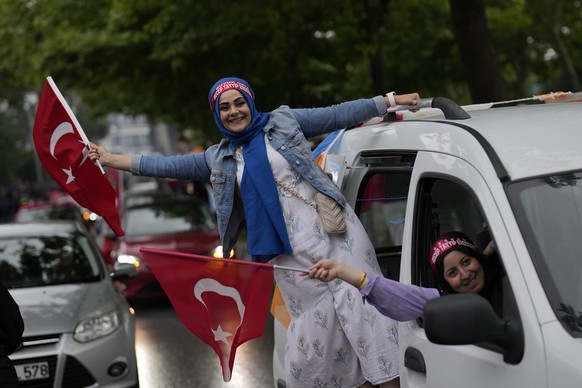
(14, 120)
(160, 57)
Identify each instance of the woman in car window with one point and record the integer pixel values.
(457, 263)
(264, 177)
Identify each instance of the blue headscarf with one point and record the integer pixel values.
(266, 231)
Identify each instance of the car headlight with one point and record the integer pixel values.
(89, 216)
(96, 327)
(217, 252)
(126, 259)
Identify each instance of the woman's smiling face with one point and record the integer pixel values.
(463, 272)
(235, 113)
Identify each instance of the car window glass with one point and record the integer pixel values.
(454, 208)
(381, 207)
(48, 213)
(549, 213)
(167, 217)
(46, 260)
(88, 249)
(445, 205)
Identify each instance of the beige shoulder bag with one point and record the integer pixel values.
(331, 213)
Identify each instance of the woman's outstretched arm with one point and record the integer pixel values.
(402, 302)
(108, 159)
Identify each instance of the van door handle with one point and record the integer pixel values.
(414, 360)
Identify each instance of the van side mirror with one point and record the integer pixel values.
(464, 319)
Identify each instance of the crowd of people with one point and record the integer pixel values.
(9, 202)
(15, 193)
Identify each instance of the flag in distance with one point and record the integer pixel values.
(224, 302)
(63, 149)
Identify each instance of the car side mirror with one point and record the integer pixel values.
(464, 319)
(123, 271)
(111, 237)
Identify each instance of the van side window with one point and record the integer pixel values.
(454, 208)
(443, 206)
(381, 207)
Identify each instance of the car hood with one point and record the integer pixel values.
(58, 309)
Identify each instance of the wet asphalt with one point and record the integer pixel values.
(169, 355)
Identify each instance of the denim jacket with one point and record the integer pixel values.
(286, 130)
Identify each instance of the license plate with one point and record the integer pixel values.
(33, 371)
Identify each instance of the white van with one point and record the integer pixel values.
(515, 171)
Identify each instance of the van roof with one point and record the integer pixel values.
(522, 141)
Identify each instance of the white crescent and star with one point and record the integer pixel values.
(61, 130)
(211, 285)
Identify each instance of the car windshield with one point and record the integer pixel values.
(48, 213)
(164, 217)
(31, 261)
(549, 212)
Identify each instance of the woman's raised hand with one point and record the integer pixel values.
(108, 159)
(407, 99)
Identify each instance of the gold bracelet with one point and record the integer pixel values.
(362, 280)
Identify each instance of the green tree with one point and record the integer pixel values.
(15, 150)
(479, 61)
(160, 57)
(560, 21)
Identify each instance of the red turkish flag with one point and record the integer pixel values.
(224, 302)
(63, 149)
(115, 178)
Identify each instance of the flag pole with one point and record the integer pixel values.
(275, 266)
(72, 115)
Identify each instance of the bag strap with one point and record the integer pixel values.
(291, 191)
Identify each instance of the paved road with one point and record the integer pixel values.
(170, 356)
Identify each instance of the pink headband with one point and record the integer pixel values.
(444, 246)
(228, 85)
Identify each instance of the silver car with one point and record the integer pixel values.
(79, 330)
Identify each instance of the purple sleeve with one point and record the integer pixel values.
(401, 302)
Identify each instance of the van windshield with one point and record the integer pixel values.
(549, 213)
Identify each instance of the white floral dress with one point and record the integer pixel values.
(334, 339)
